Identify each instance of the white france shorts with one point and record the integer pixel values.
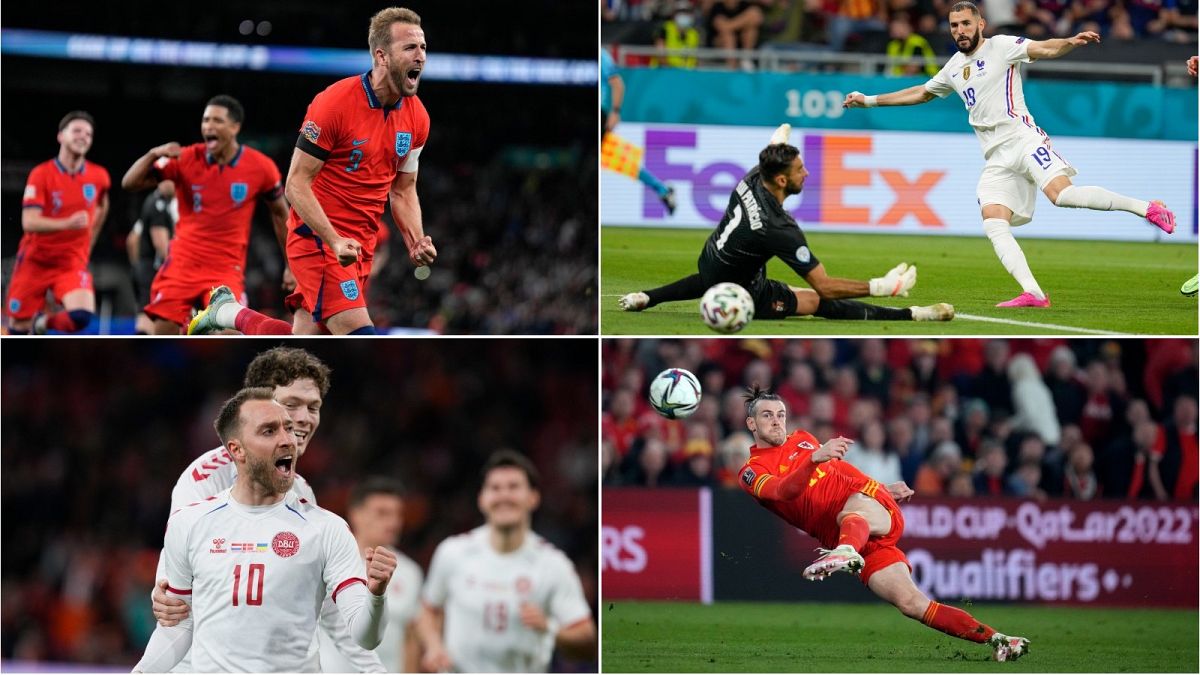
(1016, 171)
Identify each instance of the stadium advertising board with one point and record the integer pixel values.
(895, 182)
(655, 544)
(1109, 553)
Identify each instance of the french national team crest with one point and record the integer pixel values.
(238, 191)
(403, 143)
(89, 191)
(350, 289)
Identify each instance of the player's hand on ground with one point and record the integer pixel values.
(436, 660)
(1084, 38)
(855, 99)
(423, 252)
(347, 250)
(289, 280)
(1193, 65)
(532, 617)
(168, 611)
(77, 221)
(171, 149)
(834, 448)
(898, 281)
(900, 491)
(381, 562)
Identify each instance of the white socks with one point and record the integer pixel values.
(1010, 254)
(227, 314)
(1099, 199)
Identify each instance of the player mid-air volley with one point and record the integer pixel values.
(1020, 160)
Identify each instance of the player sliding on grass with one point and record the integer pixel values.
(808, 486)
(986, 74)
(757, 228)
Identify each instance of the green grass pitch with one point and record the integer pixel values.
(846, 638)
(1095, 287)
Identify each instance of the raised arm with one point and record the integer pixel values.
(1056, 47)
(138, 176)
(790, 486)
(914, 95)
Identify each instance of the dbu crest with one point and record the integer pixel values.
(403, 143)
(89, 191)
(238, 192)
(350, 289)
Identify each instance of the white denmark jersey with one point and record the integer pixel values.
(257, 576)
(989, 83)
(213, 472)
(481, 592)
(403, 602)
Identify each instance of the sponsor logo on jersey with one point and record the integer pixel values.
(89, 191)
(350, 289)
(807, 446)
(238, 192)
(793, 455)
(310, 130)
(403, 143)
(285, 544)
(217, 544)
(748, 477)
(803, 254)
(1020, 40)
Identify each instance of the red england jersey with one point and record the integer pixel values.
(828, 487)
(364, 145)
(60, 193)
(216, 202)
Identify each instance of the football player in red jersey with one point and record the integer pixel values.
(359, 145)
(218, 181)
(857, 519)
(65, 203)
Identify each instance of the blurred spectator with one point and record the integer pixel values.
(1045, 18)
(855, 17)
(960, 485)
(797, 390)
(905, 44)
(1174, 464)
(619, 424)
(870, 457)
(697, 467)
(1025, 480)
(1145, 483)
(972, 427)
(1033, 404)
(1102, 405)
(989, 467)
(675, 34)
(902, 443)
(651, 468)
(1093, 15)
(944, 461)
(992, 384)
(1079, 480)
(1180, 19)
(733, 24)
(1063, 380)
(733, 453)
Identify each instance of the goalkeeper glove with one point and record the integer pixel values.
(898, 281)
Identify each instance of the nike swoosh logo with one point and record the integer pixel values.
(359, 142)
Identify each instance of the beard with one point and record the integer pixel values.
(263, 473)
(400, 79)
(974, 42)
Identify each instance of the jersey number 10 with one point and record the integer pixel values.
(254, 583)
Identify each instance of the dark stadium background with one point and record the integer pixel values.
(508, 183)
(97, 432)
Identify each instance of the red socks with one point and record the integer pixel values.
(250, 322)
(854, 532)
(954, 621)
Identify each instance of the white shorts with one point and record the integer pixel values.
(1017, 170)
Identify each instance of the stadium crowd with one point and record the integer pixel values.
(1076, 419)
(93, 446)
(903, 26)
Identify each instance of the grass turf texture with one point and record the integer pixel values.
(834, 638)
(1106, 286)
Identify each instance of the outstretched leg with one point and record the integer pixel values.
(895, 585)
(688, 288)
(996, 226)
(1061, 192)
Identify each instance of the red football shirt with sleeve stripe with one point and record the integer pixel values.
(825, 492)
(364, 145)
(216, 202)
(58, 193)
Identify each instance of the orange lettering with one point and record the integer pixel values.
(835, 177)
(910, 198)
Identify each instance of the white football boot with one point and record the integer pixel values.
(841, 559)
(1005, 648)
(634, 302)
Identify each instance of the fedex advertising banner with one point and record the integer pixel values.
(1081, 553)
(657, 544)
(895, 182)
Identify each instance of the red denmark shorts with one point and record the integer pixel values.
(182, 285)
(323, 287)
(880, 552)
(31, 279)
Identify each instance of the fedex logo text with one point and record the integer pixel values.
(841, 189)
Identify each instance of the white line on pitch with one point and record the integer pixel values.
(1034, 324)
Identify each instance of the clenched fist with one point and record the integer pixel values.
(381, 562)
(834, 448)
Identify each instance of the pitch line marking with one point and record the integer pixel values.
(1034, 324)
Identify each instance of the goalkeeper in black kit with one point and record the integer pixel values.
(755, 229)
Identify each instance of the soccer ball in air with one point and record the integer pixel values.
(726, 308)
(675, 393)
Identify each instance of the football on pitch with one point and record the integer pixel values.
(675, 393)
(726, 308)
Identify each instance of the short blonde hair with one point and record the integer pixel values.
(380, 34)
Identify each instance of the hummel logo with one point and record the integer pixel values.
(359, 142)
